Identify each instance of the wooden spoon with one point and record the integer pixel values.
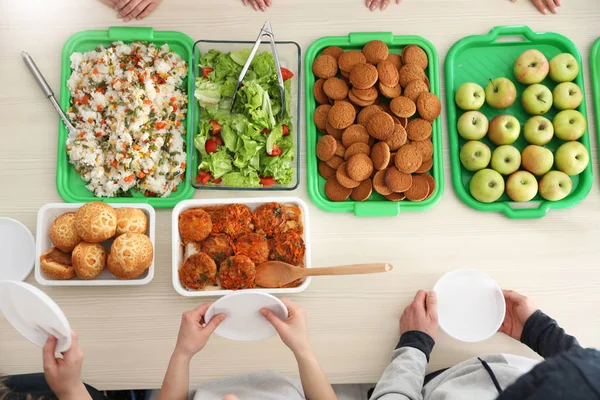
(274, 274)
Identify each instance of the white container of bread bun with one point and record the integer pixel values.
(95, 244)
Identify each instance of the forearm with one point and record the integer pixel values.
(544, 336)
(80, 393)
(314, 382)
(403, 378)
(177, 379)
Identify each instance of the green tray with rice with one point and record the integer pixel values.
(71, 187)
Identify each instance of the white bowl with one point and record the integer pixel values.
(252, 203)
(17, 250)
(471, 305)
(244, 322)
(48, 213)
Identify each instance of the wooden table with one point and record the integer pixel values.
(128, 333)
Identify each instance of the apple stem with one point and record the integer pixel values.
(494, 86)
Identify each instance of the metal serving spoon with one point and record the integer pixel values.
(46, 89)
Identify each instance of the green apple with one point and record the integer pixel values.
(531, 67)
(537, 99)
(504, 129)
(564, 68)
(567, 96)
(538, 130)
(569, 125)
(470, 96)
(555, 185)
(572, 158)
(537, 159)
(472, 125)
(500, 93)
(487, 185)
(506, 159)
(521, 186)
(475, 155)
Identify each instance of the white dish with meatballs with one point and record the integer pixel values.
(218, 243)
(95, 244)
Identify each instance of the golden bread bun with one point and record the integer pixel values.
(89, 260)
(63, 232)
(130, 255)
(96, 222)
(56, 264)
(131, 220)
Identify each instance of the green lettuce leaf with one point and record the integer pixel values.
(208, 93)
(241, 56)
(218, 163)
(237, 179)
(229, 137)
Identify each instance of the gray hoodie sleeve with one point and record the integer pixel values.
(403, 378)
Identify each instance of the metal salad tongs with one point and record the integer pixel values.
(268, 31)
(46, 89)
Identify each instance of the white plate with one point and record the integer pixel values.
(252, 203)
(17, 250)
(46, 216)
(244, 321)
(471, 305)
(34, 314)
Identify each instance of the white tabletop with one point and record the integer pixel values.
(128, 333)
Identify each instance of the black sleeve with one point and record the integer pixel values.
(418, 340)
(543, 335)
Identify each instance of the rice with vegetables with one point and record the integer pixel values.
(127, 106)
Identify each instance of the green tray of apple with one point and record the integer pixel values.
(595, 69)
(517, 122)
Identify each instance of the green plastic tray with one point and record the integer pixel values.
(479, 58)
(595, 68)
(376, 205)
(70, 186)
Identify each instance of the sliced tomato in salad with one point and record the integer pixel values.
(217, 181)
(285, 129)
(206, 71)
(218, 140)
(203, 177)
(216, 128)
(267, 181)
(210, 146)
(286, 74)
(276, 151)
(266, 131)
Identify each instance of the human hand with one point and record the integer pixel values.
(293, 331)
(518, 310)
(541, 5)
(194, 332)
(138, 9)
(421, 314)
(258, 4)
(382, 4)
(64, 374)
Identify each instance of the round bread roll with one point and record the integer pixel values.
(56, 264)
(131, 220)
(96, 222)
(63, 232)
(130, 255)
(89, 260)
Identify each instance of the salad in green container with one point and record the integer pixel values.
(253, 143)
